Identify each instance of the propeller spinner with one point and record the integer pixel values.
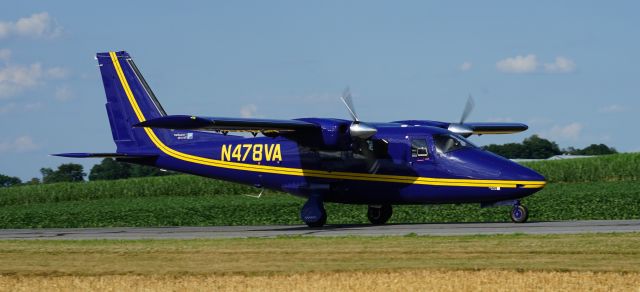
(357, 129)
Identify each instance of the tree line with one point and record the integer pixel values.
(536, 147)
(107, 169)
(533, 147)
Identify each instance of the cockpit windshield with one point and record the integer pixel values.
(450, 142)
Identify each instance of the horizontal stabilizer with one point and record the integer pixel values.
(105, 155)
(183, 122)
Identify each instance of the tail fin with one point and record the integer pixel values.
(129, 101)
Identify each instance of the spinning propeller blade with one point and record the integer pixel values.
(468, 108)
(348, 102)
(461, 128)
(357, 129)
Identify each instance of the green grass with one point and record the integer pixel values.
(612, 191)
(570, 201)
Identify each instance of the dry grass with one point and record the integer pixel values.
(586, 252)
(409, 280)
(501, 262)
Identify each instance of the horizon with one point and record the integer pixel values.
(567, 70)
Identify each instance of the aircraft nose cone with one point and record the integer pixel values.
(525, 173)
(514, 171)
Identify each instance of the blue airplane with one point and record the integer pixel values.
(319, 159)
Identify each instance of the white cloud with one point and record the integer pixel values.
(466, 66)
(19, 144)
(16, 78)
(561, 65)
(248, 111)
(614, 108)
(57, 73)
(518, 64)
(530, 64)
(5, 55)
(64, 93)
(38, 25)
(571, 131)
(5, 29)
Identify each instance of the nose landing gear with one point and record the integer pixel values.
(519, 213)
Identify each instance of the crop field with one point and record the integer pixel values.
(597, 262)
(616, 167)
(596, 188)
(189, 200)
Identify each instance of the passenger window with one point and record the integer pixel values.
(419, 148)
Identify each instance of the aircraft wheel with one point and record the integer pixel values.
(519, 214)
(379, 215)
(313, 213)
(320, 222)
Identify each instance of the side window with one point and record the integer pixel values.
(419, 148)
(446, 143)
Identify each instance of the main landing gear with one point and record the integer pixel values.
(379, 214)
(313, 213)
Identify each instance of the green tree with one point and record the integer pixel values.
(540, 148)
(9, 181)
(509, 150)
(594, 149)
(33, 181)
(68, 172)
(110, 169)
(144, 171)
(533, 147)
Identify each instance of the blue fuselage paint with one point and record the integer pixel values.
(466, 164)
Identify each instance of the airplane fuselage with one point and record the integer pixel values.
(386, 172)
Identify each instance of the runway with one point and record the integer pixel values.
(556, 227)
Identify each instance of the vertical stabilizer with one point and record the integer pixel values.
(129, 101)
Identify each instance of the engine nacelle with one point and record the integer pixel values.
(334, 134)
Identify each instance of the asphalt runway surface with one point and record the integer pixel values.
(439, 229)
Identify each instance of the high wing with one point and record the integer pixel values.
(496, 128)
(468, 129)
(184, 122)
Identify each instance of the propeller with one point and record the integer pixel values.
(461, 128)
(468, 108)
(357, 129)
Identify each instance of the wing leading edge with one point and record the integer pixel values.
(184, 122)
(472, 128)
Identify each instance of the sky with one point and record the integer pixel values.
(568, 69)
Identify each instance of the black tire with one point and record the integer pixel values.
(379, 215)
(319, 223)
(519, 214)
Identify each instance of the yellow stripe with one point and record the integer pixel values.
(307, 172)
